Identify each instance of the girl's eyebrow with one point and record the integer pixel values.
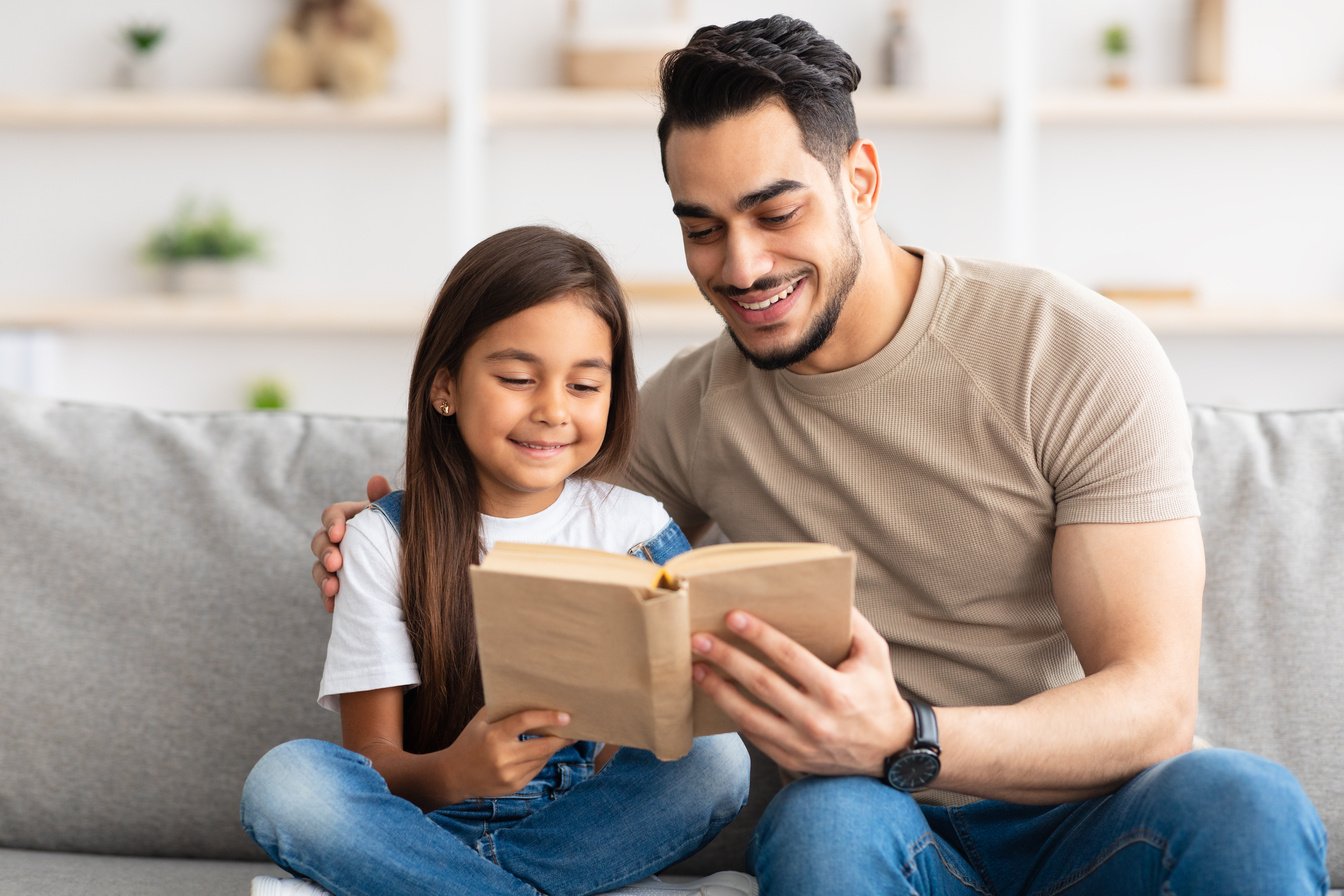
(517, 354)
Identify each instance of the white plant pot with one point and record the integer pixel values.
(201, 278)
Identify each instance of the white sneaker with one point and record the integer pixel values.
(722, 883)
(285, 886)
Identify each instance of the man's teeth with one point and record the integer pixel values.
(773, 299)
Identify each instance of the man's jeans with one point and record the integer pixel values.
(1215, 822)
(323, 812)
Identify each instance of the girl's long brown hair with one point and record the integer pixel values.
(441, 535)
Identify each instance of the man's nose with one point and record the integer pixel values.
(745, 261)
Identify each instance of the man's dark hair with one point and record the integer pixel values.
(732, 69)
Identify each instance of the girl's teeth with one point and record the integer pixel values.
(772, 300)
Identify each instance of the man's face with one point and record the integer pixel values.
(767, 234)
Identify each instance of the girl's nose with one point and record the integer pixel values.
(551, 407)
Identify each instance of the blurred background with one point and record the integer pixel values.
(216, 205)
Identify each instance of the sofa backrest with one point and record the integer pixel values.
(159, 628)
(1271, 491)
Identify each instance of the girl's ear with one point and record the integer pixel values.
(441, 393)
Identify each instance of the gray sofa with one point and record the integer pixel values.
(159, 630)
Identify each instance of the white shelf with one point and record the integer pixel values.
(1193, 106)
(224, 108)
(559, 106)
(655, 308)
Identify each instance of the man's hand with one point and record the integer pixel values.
(488, 760)
(326, 541)
(819, 720)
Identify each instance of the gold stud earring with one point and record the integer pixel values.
(444, 409)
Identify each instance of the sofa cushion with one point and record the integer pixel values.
(78, 874)
(1271, 487)
(159, 628)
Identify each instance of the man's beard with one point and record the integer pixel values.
(847, 273)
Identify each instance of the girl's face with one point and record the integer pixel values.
(531, 402)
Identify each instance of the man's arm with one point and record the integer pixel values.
(1129, 597)
(326, 541)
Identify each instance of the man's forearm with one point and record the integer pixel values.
(1068, 743)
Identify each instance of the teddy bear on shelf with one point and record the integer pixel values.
(342, 45)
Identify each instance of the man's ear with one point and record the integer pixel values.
(865, 177)
(441, 393)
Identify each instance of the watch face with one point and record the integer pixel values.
(913, 769)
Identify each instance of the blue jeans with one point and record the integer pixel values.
(324, 813)
(1216, 822)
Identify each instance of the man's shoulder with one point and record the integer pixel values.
(998, 303)
(697, 371)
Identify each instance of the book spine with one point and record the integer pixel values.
(667, 634)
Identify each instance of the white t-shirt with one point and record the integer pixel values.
(369, 646)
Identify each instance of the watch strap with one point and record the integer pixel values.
(926, 724)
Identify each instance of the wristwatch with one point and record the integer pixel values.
(915, 767)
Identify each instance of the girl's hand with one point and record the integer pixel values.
(488, 759)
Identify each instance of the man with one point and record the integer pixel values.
(1009, 456)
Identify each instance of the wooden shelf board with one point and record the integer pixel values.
(1192, 105)
(561, 106)
(221, 108)
(656, 307)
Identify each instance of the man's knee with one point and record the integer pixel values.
(838, 835)
(855, 812)
(1232, 783)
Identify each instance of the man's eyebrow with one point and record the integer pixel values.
(747, 202)
(765, 194)
(690, 210)
(517, 354)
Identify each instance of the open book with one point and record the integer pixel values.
(607, 637)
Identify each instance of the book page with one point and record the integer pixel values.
(743, 555)
(808, 600)
(573, 564)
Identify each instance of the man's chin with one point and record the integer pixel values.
(775, 358)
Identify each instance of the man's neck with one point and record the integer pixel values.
(877, 306)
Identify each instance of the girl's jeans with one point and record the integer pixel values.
(1209, 822)
(324, 813)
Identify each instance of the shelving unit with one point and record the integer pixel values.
(1014, 128)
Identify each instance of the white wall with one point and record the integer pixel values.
(1245, 213)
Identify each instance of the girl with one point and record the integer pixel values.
(522, 392)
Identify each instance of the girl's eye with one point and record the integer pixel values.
(512, 381)
(586, 388)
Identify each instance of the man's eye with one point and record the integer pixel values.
(703, 233)
(781, 219)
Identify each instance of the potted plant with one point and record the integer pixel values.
(139, 41)
(1115, 45)
(268, 394)
(198, 251)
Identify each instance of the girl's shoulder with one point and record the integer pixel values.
(615, 499)
(615, 517)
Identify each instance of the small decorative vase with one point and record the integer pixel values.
(137, 71)
(201, 278)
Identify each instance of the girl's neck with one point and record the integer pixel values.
(516, 505)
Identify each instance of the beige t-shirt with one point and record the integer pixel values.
(1011, 401)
